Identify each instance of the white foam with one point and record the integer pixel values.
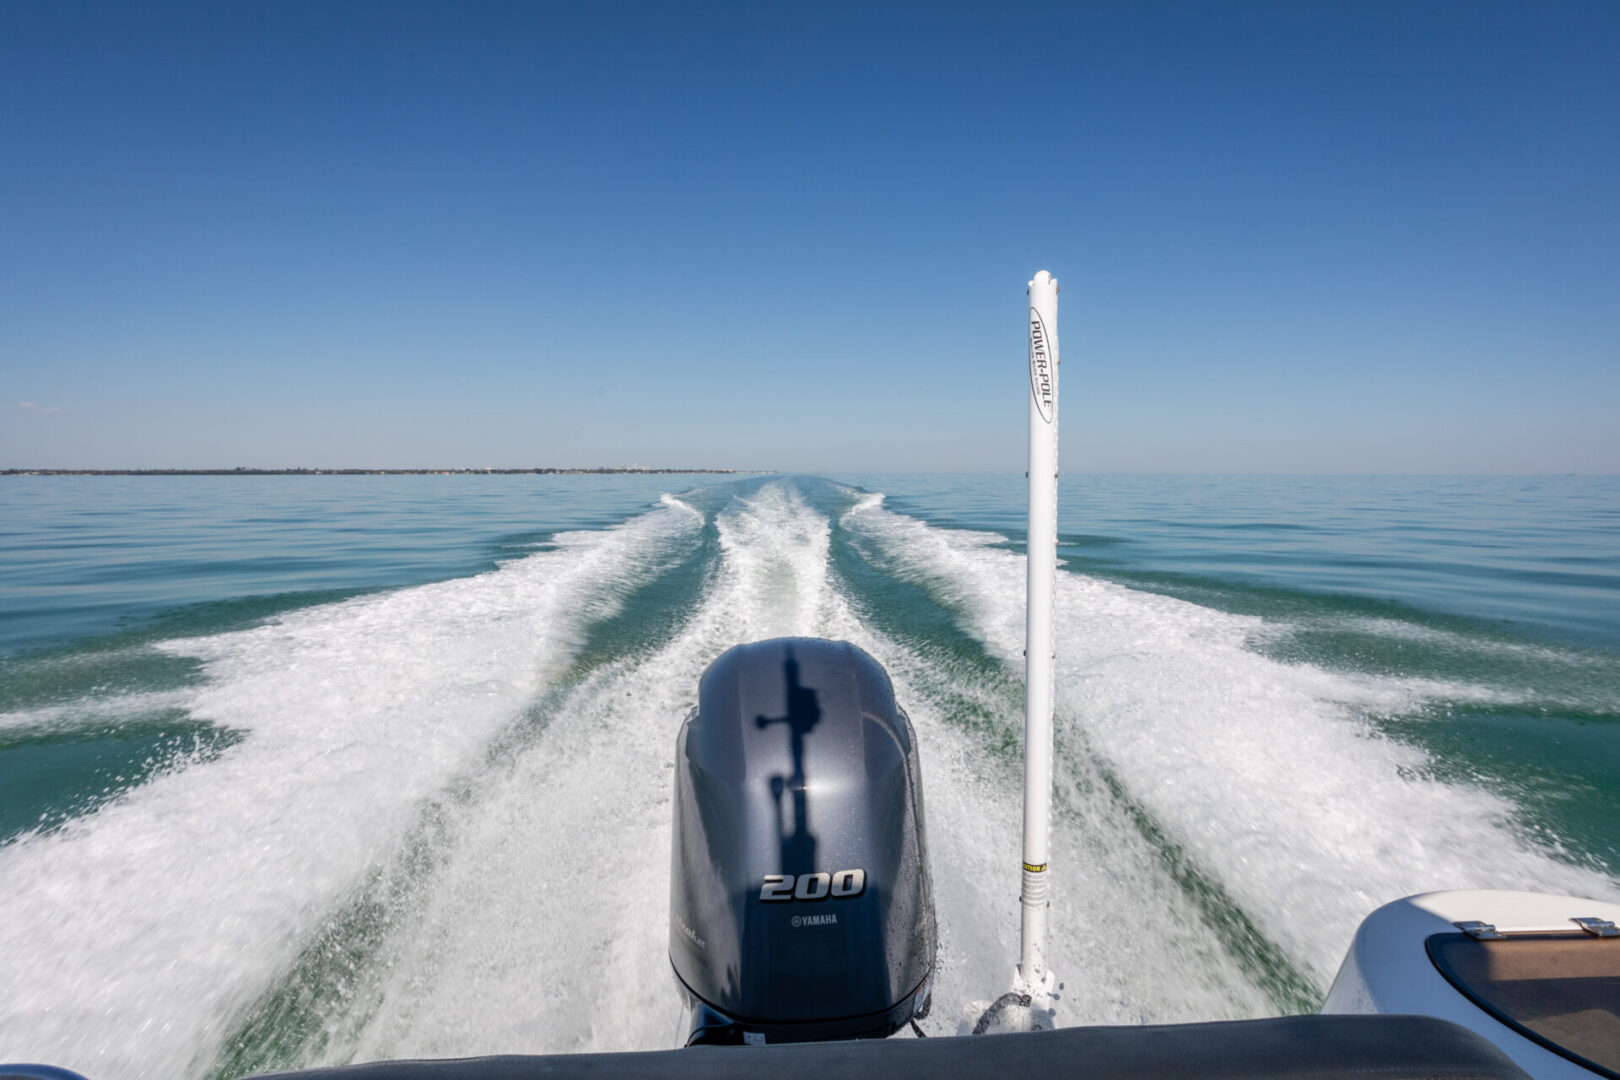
(546, 930)
(1106, 877)
(1584, 680)
(1451, 640)
(133, 936)
(1265, 772)
(95, 711)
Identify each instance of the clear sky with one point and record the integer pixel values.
(1292, 237)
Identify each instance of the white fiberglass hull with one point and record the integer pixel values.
(1391, 967)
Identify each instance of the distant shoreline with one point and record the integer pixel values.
(627, 471)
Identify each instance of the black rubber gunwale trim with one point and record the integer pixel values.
(1312, 1047)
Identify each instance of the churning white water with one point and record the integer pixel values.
(442, 834)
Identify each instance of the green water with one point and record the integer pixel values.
(298, 770)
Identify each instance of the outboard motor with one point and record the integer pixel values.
(800, 903)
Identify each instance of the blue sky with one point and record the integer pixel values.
(1293, 237)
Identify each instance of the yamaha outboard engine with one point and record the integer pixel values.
(800, 903)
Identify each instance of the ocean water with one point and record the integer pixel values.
(307, 770)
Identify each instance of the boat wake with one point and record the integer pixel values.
(133, 936)
(444, 829)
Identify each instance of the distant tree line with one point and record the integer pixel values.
(240, 471)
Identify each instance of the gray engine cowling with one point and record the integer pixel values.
(800, 901)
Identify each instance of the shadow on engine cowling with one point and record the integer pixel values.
(803, 713)
(798, 770)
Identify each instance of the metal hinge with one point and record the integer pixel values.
(1597, 927)
(1479, 931)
